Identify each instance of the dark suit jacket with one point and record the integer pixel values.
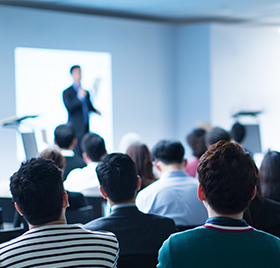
(75, 110)
(137, 233)
(72, 162)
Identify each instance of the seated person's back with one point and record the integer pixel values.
(39, 196)
(65, 139)
(140, 235)
(227, 176)
(174, 195)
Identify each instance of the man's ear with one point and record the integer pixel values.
(105, 196)
(85, 157)
(185, 163)
(65, 203)
(18, 209)
(157, 165)
(255, 192)
(200, 193)
(138, 183)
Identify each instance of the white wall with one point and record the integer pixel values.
(142, 68)
(245, 74)
(192, 79)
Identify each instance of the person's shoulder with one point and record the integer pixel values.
(97, 224)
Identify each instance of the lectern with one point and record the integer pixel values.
(28, 138)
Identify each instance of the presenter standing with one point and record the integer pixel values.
(78, 104)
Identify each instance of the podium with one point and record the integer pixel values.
(28, 137)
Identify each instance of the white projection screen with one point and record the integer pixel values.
(41, 76)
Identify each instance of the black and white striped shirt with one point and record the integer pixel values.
(60, 245)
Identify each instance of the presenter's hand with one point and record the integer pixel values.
(97, 112)
(81, 93)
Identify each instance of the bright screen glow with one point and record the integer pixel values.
(42, 75)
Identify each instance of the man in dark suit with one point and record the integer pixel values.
(140, 235)
(78, 104)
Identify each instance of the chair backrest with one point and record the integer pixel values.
(97, 203)
(138, 261)
(80, 215)
(6, 235)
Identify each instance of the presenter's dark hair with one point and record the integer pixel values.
(94, 146)
(228, 176)
(238, 132)
(73, 67)
(168, 152)
(37, 188)
(196, 140)
(64, 135)
(270, 175)
(216, 134)
(117, 177)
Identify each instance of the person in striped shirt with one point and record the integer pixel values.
(39, 196)
(227, 183)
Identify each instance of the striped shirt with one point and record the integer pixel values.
(60, 245)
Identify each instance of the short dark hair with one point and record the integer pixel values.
(238, 132)
(94, 146)
(64, 135)
(196, 140)
(228, 176)
(168, 152)
(270, 175)
(117, 177)
(216, 134)
(73, 67)
(37, 188)
(53, 154)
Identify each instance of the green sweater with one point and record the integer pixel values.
(221, 242)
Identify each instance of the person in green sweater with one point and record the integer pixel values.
(227, 183)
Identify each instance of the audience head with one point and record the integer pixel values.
(216, 134)
(270, 175)
(64, 136)
(196, 140)
(238, 132)
(168, 152)
(37, 190)
(94, 146)
(228, 177)
(118, 178)
(53, 154)
(75, 71)
(141, 156)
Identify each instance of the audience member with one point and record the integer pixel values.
(174, 195)
(238, 132)
(216, 134)
(141, 156)
(270, 176)
(84, 179)
(76, 200)
(196, 140)
(140, 235)
(65, 139)
(264, 214)
(227, 177)
(39, 196)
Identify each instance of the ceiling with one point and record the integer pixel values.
(173, 11)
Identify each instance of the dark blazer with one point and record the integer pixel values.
(75, 110)
(72, 162)
(137, 233)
